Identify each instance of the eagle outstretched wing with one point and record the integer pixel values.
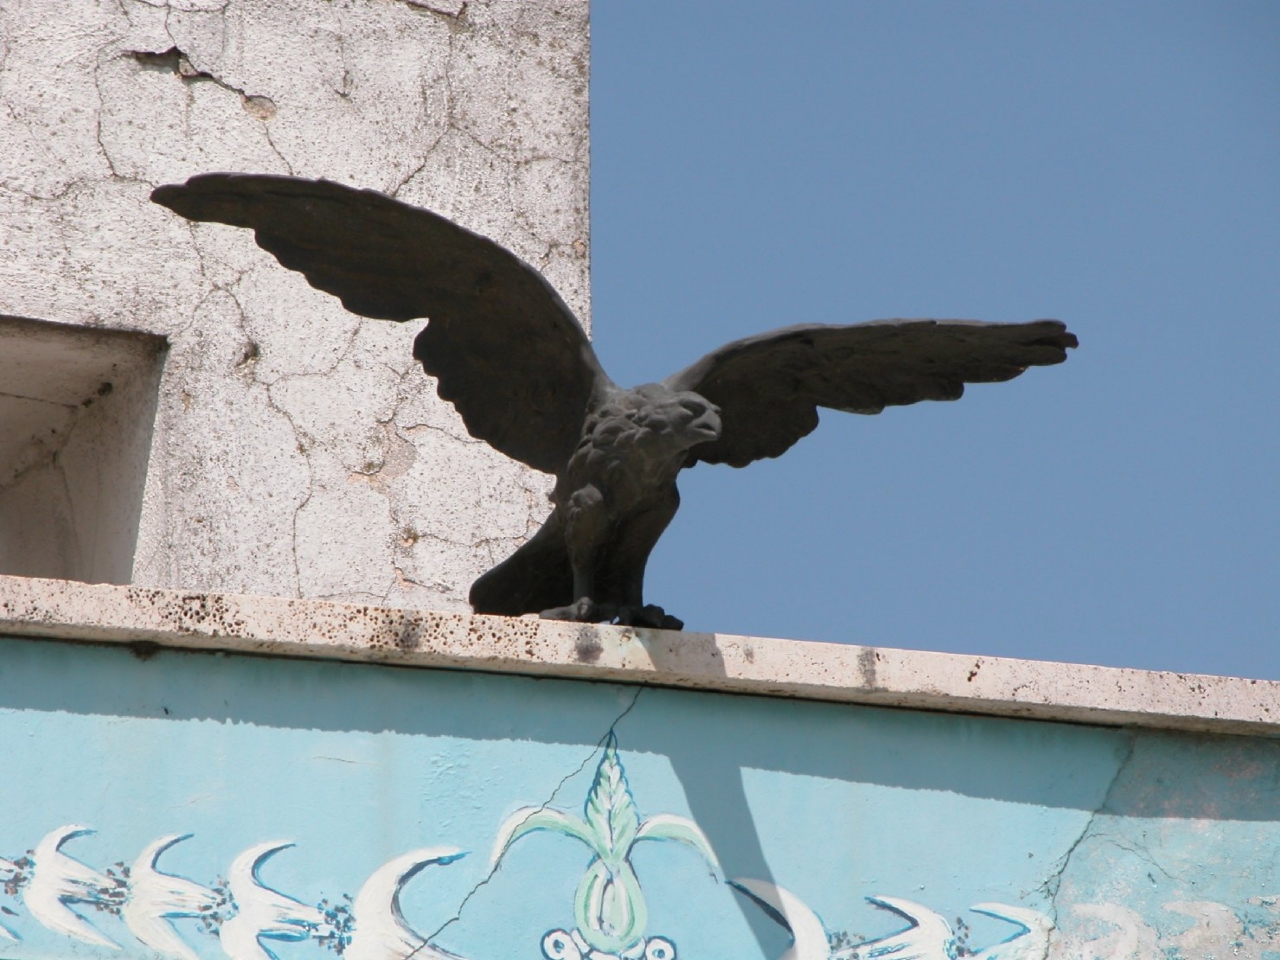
(769, 387)
(505, 349)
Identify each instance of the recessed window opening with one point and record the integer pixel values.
(77, 412)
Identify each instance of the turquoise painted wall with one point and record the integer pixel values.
(197, 805)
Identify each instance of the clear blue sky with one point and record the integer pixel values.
(1114, 165)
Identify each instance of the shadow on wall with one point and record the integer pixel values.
(77, 411)
(713, 742)
(705, 734)
(484, 763)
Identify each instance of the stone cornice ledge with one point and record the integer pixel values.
(277, 626)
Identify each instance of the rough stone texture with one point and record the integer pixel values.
(298, 450)
(703, 661)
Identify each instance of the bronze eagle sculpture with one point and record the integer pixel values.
(512, 359)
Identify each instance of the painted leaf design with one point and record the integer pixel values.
(609, 908)
(528, 819)
(666, 826)
(610, 811)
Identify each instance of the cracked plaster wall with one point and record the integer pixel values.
(298, 449)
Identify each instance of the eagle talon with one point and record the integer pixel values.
(650, 615)
(585, 610)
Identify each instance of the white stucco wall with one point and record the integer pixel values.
(298, 450)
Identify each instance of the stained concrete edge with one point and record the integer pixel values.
(881, 676)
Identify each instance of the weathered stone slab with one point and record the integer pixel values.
(703, 661)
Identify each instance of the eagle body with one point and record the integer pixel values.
(612, 501)
(510, 356)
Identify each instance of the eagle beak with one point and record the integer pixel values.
(708, 425)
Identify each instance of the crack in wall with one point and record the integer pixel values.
(452, 124)
(133, 49)
(1053, 883)
(102, 58)
(372, 598)
(484, 881)
(178, 62)
(345, 90)
(457, 13)
(274, 148)
(167, 6)
(415, 428)
(302, 440)
(44, 441)
(7, 395)
(1138, 850)
(573, 249)
(175, 61)
(449, 110)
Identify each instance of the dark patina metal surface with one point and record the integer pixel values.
(510, 356)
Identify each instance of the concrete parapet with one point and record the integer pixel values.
(842, 673)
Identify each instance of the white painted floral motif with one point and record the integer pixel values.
(381, 932)
(808, 936)
(261, 912)
(1031, 943)
(929, 937)
(58, 880)
(10, 872)
(246, 915)
(1215, 924)
(1126, 935)
(155, 898)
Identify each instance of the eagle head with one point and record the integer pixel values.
(678, 419)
